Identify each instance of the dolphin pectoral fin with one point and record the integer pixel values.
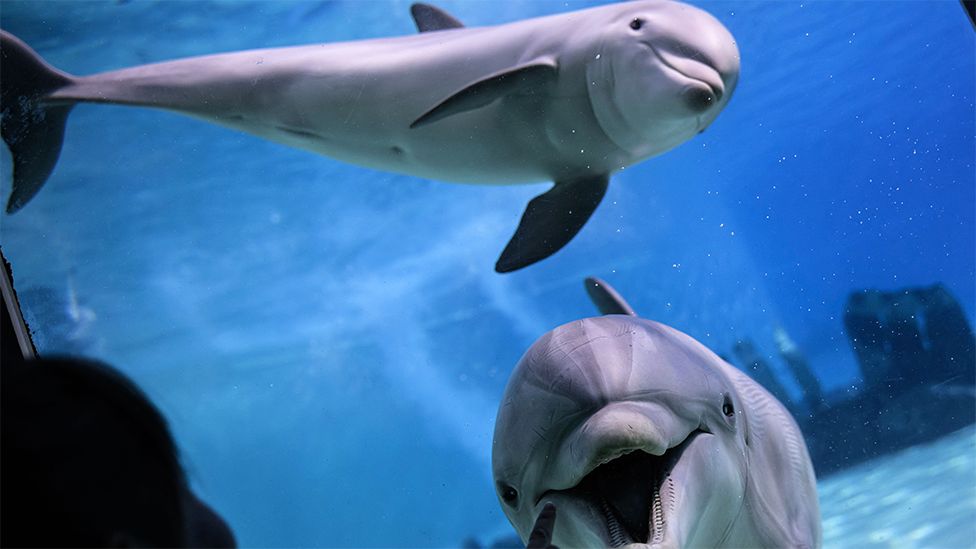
(431, 18)
(522, 80)
(541, 535)
(606, 299)
(551, 220)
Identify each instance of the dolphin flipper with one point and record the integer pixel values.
(431, 18)
(541, 535)
(521, 80)
(606, 299)
(551, 220)
(34, 131)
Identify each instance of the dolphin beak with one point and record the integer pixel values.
(703, 496)
(694, 67)
(614, 467)
(617, 429)
(631, 499)
(696, 45)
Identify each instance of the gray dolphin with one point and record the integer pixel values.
(642, 437)
(568, 98)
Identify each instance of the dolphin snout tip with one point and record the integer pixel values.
(702, 98)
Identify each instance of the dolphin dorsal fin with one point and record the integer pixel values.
(430, 18)
(606, 299)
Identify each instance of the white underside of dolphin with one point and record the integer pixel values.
(641, 437)
(568, 98)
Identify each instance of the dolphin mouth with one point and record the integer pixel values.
(632, 493)
(696, 69)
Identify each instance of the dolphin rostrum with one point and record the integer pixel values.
(569, 98)
(642, 437)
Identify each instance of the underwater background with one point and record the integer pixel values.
(330, 343)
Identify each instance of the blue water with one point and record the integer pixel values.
(329, 343)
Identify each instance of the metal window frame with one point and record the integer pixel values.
(11, 308)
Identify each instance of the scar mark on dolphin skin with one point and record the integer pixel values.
(587, 342)
(299, 133)
(355, 103)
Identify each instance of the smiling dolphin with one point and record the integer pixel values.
(642, 437)
(569, 98)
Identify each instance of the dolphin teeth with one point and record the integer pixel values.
(656, 520)
(618, 534)
(635, 492)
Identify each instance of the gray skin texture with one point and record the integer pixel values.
(618, 95)
(568, 98)
(737, 471)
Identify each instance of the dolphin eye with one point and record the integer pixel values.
(509, 494)
(727, 408)
(636, 23)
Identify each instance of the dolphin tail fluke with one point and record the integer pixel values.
(31, 128)
(551, 220)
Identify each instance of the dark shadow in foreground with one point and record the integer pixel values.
(88, 461)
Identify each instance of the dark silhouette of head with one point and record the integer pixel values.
(87, 460)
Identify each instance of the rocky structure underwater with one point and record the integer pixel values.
(917, 357)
